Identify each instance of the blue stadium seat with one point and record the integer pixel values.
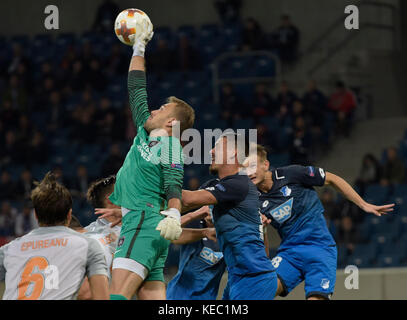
(376, 194)
(388, 260)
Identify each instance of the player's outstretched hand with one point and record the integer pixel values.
(170, 226)
(114, 215)
(378, 210)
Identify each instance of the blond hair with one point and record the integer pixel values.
(184, 113)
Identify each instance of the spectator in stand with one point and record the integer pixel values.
(8, 115)
(187, 55)
(314, 102)
(117, 61)
(343, 103)
(113, 162)
(161, 60)
(252, 36)
(285, 95)
(25, 221)
(85, 129)
(288, 39)
(332, 211)
(59, 176)
(18, 58)
(79, 185)
(228, 10)
(301, 144)
(25, 130)
(55, 112)
(7, 219)
(37, 149)
(7, 186)
(105, 16)
(393, 168)
(16, 94)
(263, 102)
(94, 76)
(347, 234)
(370, 173)
(24, 185)
(12, 151)
(229, 104)
(284, 118)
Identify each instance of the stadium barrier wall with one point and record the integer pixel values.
(374, 284)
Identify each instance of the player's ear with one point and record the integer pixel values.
(266, 164)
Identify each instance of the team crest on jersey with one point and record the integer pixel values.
(286, 191)
(325, 284)
(153, 143)
(120, 242)
(283, 212)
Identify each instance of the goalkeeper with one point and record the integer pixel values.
(148, 187)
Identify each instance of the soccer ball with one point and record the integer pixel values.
(129, 24)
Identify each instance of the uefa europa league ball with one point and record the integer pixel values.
(129, 24)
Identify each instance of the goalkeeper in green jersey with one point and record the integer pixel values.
(148, 187)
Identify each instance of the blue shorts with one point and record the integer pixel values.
(258, 287)
(314, 264)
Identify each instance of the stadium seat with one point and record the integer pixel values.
(388, 260)
(376, 194)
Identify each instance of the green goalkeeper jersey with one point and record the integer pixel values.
(152, 172)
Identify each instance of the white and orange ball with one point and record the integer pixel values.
(130, 24)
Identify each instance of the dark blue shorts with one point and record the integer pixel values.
(257, 287)
(315, 265)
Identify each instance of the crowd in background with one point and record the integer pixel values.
(302, 123)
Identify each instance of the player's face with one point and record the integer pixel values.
(220, 155)
(160, 118)
(256, 168)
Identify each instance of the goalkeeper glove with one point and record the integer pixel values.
(170, 226)
(141, 41)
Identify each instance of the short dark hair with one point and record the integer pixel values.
(99, 189)
(75, 223)
(52, 201)
(184, 113)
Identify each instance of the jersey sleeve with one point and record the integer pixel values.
(2, 268)
(233, 189)
(96, 261)
(308, 176)
(172, 162)
(136, 86)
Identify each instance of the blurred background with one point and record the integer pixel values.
(316, 93)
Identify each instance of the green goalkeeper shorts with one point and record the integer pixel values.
(139, 241)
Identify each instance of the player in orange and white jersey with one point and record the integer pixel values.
(51, 262)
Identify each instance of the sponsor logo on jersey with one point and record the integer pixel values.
(325, 284)
(220, 187)
(121, 241)
(177, 166)
(322, 172)
(210, 188)
(210, 257)
(153, 143)
(283, 212)
(311, 171)
(265, 204)
(286, 191)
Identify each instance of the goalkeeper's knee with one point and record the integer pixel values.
(117, 297)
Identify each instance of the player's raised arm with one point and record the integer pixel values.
(192, 235)
(195, 199)
(343, 187)
(137, 78)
